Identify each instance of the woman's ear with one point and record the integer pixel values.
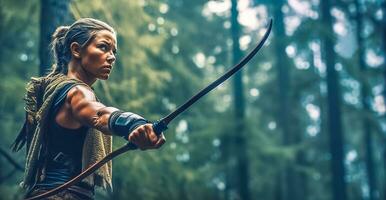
(75, 50)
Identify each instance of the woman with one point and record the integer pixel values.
(67, 129)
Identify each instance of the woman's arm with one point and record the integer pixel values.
(88, 111)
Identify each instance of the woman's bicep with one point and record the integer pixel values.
(84, 108)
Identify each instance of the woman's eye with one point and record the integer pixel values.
(104, 47)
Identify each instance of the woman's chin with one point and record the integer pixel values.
(104, 77)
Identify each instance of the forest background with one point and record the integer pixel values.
(305, 119)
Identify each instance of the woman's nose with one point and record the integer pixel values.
(111, 59)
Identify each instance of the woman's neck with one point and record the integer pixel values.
(75, 70)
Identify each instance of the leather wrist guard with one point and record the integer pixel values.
(123, 123)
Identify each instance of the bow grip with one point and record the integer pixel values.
(158, 126)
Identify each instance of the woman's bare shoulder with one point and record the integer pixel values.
(81, 92)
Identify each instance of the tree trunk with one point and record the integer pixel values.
(384, 84)
(292, 181)
(52, 14)
(384, 47)
(239, 108)
(370, 167)
(334, 104)
(283, 110)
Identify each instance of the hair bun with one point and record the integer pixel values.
(60, 32)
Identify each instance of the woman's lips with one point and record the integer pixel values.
(107, 69)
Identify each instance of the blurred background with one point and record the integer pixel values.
(305, 119)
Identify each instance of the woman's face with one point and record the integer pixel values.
(98, 57)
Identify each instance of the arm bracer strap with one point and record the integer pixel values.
(123, 123)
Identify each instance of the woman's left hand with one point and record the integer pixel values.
(145, 137)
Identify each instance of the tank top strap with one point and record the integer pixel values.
(60, 98)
